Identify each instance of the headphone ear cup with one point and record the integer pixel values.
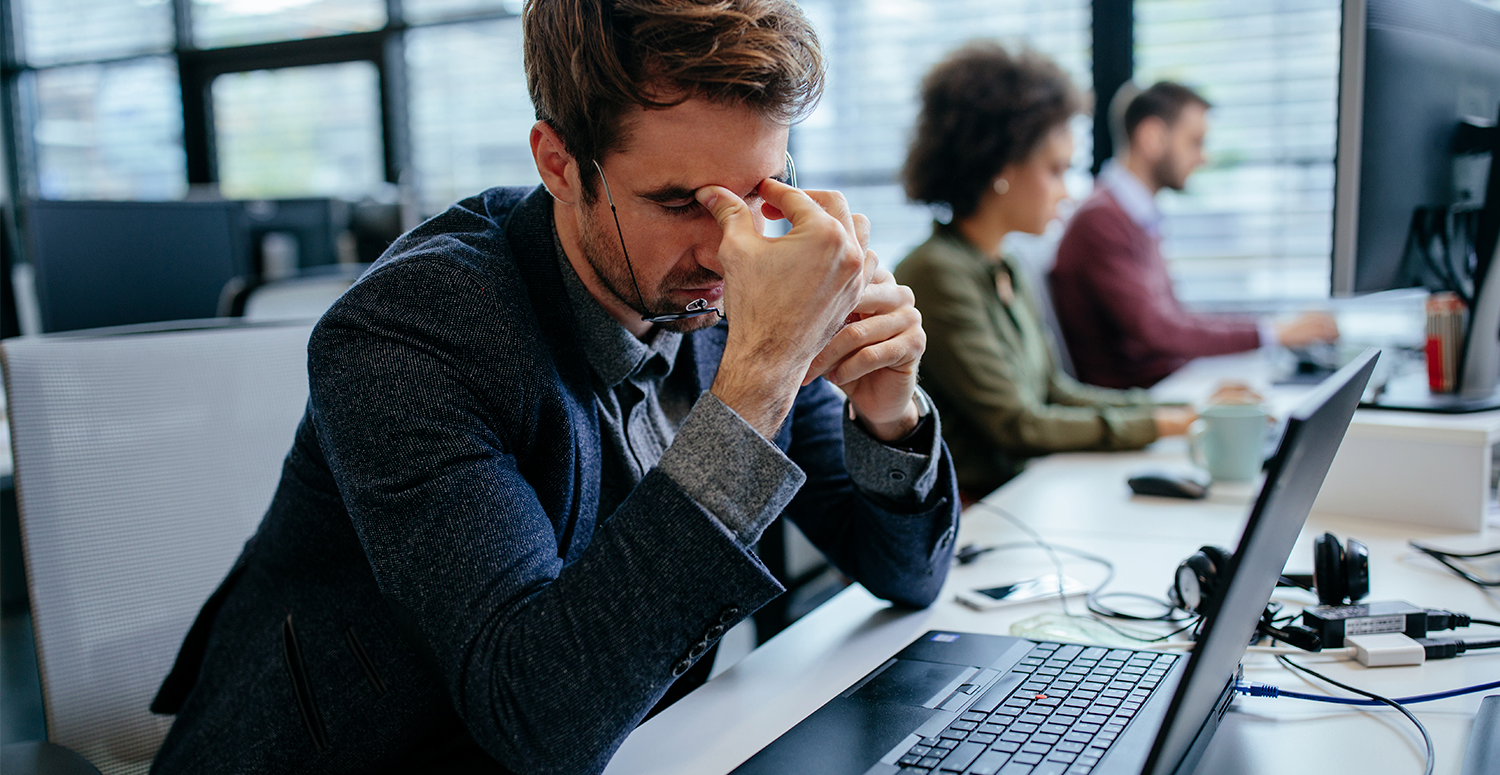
(1328, 570)
(1174, 595)
(1202, 569)
(1219, 557)
(1357, 570)
(1208, 565)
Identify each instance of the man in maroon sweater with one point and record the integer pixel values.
(1123, 324)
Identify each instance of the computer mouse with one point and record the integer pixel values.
(1169, 484)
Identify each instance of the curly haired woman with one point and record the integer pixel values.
(991, 146)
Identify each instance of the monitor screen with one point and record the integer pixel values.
(116, 263)
(1411, 71)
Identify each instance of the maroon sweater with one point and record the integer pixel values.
(1122, 323)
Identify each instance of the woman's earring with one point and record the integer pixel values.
(1002, 186)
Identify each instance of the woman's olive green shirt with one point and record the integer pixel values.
(991, 371)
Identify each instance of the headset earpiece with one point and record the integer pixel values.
(1341, 575)
(1329, 579)
(1357, 570)
(1197, 579)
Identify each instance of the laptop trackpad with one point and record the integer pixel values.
(852, 731)
(844, 737)
(914, 682)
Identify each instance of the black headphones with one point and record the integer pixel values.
(1197, 579)
(1341, 575)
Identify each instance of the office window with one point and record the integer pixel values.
(108, 131)
(58, 31)
(299, 131)
(423, 11)
(1257, 221)
(878, 51)
(238, 22)
(470, 112)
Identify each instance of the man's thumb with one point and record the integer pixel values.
(729, 210)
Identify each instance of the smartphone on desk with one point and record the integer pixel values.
(1038, 588)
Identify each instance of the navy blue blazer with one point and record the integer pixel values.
(430, 589)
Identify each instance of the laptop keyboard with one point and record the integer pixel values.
(1074, 702)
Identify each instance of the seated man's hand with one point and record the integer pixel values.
(785, 297)
(874, 358)
(1235, 393)
(1173, 420)
(1307, 328)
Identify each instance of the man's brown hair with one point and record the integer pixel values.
(590, 62)
(982, 108)
(1164, 100)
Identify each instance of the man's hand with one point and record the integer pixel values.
(785, 296)
(1235, 393)
(1307, 328)
(1173, 420)
(874, 358)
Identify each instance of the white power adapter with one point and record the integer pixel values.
(1386, 649)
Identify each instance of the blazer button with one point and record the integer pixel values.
(681, 667)
(697, 649)
(730, 615)
(897, 476)
(714, 632)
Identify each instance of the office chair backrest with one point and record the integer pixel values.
(144, 460)
(304, 296)
(1041, 292)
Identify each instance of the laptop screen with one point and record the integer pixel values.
(1293, 478)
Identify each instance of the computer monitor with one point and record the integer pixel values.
(310, 226)
(1418, 79)
(116, 263)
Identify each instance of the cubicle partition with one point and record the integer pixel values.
(98, 264)
(116, 263)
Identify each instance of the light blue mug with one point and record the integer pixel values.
(1229, 441)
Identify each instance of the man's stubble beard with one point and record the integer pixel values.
(600, 242)
(1165, 173)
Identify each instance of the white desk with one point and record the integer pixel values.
(1081, 501)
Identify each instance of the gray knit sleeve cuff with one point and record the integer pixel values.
(902, 476)
(730, 470)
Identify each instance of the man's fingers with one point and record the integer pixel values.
(794, 203)
(835, 205)
(872, 266)
(883, 294)
(799, 205)
(866, 333)
(862, 230)
(899, 352)
(728, 209)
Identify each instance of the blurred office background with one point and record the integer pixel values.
(420, 102)
(372, 114)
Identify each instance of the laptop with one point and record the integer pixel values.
(957, 703)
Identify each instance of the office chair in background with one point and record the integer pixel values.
(305, 295)
(144, 457)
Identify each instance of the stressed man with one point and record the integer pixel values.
(1113, 297)
(547, 428)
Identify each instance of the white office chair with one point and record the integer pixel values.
(297, 298)
(144, 457)
(304, 296)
